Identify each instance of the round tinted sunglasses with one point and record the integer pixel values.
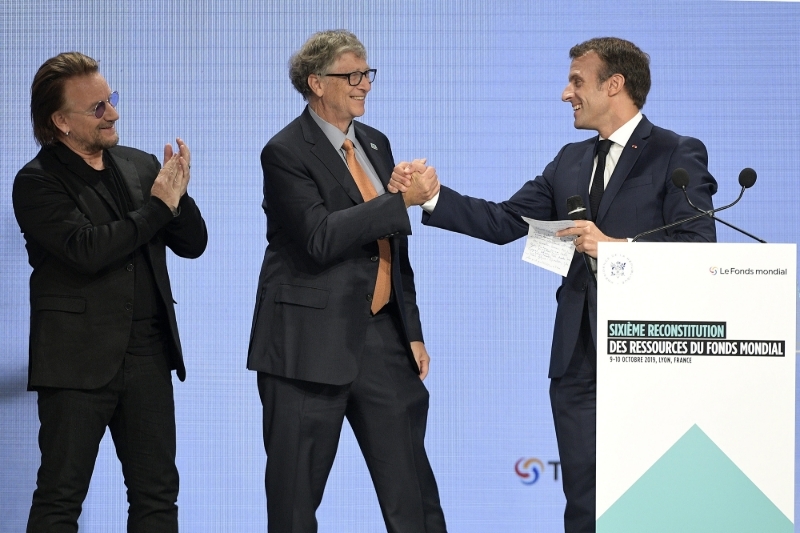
(99, 108)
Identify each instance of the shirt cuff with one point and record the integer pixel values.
(430, 205)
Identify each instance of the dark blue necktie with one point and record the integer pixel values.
(598, 182)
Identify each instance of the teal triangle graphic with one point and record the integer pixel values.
(694, 488)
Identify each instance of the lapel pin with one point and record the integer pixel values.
(372, 145)
(634, 146)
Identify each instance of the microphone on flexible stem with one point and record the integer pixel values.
(576, 210)
(680, 178)
(747, 178)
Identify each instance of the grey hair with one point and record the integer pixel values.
(317, 55)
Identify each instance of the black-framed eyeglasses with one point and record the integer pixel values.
(355, 77)
(99, 108)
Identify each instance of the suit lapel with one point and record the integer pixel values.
(127, 172)
(630, 154)
(328, 155)
(380, 161)
(584, 174)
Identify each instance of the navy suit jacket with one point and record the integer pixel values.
(81, 249)
(319, 270)
(639, 196)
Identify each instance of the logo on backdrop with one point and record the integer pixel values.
(733, 271)
(617, 269)
(531, 469)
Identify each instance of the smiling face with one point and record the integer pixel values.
(590, 100)
(88, 135)
(334, 99)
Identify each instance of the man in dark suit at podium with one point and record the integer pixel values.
(624, 177)
(97, 220)
(336, 331)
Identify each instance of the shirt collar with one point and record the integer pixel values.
(624, 132)
(334, 134)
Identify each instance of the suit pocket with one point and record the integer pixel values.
(59, 326)
(69, 304)
(305, 296)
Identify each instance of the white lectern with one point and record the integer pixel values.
(696, 387)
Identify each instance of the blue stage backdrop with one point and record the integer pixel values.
(475, 87)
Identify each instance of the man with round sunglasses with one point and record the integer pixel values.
(97, 219)
(337, 332)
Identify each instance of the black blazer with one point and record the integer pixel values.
(639, 196)
(80, 247)
(319, 269)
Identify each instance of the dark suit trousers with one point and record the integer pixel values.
(138, 408)
(573, 399)
(387, 408)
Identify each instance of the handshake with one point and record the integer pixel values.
(415, 180)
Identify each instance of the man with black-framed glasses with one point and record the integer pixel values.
(337, 332)
(97, 219)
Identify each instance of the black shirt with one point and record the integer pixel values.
(149, 329)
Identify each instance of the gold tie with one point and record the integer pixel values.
(383, 283)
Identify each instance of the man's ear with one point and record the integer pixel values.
(60, 121)
(316, 85)
(616, 84)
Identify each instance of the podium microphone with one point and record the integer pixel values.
(747, 178)
(576, 210)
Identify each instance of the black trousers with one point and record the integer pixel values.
(573, 399)
(387, 408)
(138, 408)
